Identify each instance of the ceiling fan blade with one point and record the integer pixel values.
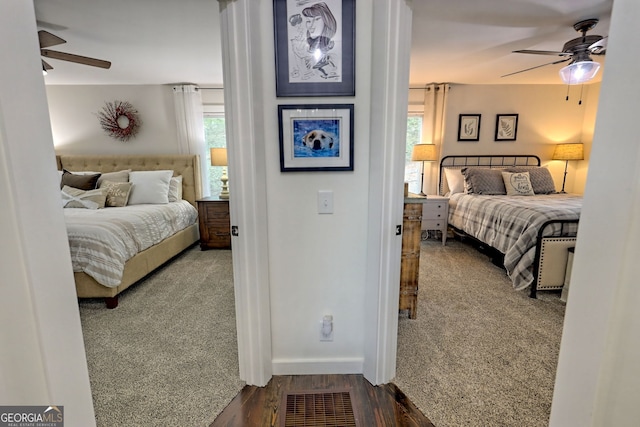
(543, 52)
(599, 47)
(47, 39)
(46, 66)
(537, 66)
(75, 58)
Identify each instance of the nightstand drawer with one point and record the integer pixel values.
(217, 212)
(434, 210)
(218, 235)
(434, 224)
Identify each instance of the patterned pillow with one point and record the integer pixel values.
(117, 193)
(90, 199)
(483, 181)
(175, 189)
(517, 183)
(541, 179)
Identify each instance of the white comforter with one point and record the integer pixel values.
(102, 240)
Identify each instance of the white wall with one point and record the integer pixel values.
(545, 119)
(598, 371)
(317, 262)
(76, 128)
(42, 359)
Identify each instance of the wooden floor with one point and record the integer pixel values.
(382, 406)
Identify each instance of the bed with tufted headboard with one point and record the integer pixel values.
(186, 167)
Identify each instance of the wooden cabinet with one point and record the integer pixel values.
(435, 215)
(215, 223)
(410, 261)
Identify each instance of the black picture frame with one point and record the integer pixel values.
(331, 72)
(469, 127)
(316, 137)
(506, 127)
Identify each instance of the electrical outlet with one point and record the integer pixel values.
(326, 328)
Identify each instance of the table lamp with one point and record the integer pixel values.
(219, 158)
(424, 153)
(566, 152)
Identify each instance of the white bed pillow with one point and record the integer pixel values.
(149, 187)
(175, 189)
(455, 180)
(517, 183)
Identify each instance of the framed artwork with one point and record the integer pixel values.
(506, 127)
(316, 137)
(315, 47)
(469, 127)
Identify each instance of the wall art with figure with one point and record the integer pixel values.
(315, 47)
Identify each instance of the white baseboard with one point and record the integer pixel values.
(318, 366)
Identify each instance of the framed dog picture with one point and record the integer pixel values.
(315, 47)
(316, 137)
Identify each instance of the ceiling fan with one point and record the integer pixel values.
(47, 39)
(578, 51)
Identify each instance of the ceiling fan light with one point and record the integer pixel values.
(579, 72)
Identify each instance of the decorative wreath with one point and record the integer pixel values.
(120, 120)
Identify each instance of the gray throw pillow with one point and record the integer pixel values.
(83, 182)
(484, 181)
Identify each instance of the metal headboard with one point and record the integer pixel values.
(485, 161)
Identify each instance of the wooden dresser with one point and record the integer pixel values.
(215, 223)
(410, 262)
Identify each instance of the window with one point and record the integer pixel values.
(412, 170)
(215, 137)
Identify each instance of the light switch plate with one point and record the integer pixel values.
(325, 202)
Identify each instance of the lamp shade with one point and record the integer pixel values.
(424, 153)
(569, 152)
(218, 157)
(579, 72)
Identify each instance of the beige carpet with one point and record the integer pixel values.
(479, 353)
(167, 356)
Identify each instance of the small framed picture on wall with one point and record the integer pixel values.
(469, 127)
(316, 137)
(506, 127)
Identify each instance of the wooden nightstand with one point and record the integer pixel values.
(435, 215)
(215, 223)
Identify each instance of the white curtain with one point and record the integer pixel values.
(190, 126)
(435, 104)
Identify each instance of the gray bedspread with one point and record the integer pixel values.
(510, 224)
(102, 240)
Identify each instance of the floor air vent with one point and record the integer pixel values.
(318, 408)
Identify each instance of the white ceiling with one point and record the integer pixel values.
(169, 41)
